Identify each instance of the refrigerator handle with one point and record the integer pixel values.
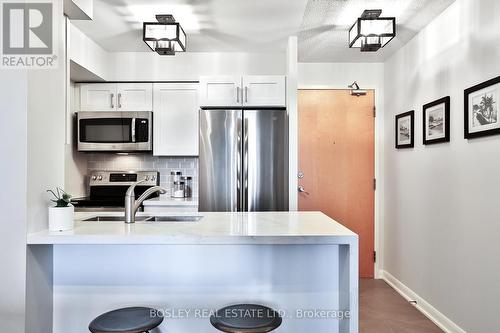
(245, 205)
(239, 190)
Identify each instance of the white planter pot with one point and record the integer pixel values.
(61, 218)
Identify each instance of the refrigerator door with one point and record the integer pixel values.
(265, 160)
(220, 160)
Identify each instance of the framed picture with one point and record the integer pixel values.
(405, 124)
(481, 109)
(436, 121)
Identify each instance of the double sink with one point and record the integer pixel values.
(171, 218)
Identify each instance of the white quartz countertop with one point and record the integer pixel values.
(213, 228)
(169, 201)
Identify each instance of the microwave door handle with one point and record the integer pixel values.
(133, 129)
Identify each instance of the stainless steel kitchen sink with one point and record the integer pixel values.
(171, 218)
(121, 218)
(175, 218)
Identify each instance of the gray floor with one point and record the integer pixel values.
(383, 310)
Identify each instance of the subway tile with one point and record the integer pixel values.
(187, 165)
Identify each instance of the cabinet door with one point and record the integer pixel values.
(134, 97)
(220, 91)
(175, 119)
(264, 91)
(97, 97)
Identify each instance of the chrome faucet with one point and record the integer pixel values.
(131, 205)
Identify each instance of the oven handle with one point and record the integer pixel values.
(133, 129)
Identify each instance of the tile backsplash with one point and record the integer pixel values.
(187, 165)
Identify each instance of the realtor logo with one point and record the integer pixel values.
(28, 34)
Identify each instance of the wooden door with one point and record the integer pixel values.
(337, 159)
(264, 90)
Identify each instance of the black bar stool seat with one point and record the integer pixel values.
(126, 320)
(246, 318)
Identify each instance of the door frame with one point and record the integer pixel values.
(379, 169)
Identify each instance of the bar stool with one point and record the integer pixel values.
(246, 318)
(126, 320)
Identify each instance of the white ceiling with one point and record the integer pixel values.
(324, 30)
(258, 25)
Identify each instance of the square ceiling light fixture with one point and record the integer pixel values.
(165, 37)
(371, 32)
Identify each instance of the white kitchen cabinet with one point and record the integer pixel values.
(116, 97)
(220, 91)
(175, 119)
(246, 91)
(134, 97)
(264, 90)
(97, 97)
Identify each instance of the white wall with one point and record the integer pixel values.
(291, 102)
(442, 208)
(46, 132)
(32, 150)
(368, 76)
(149, 66)
(13, 206)
(86, 53)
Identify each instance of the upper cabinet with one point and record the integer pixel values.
(246, 91)
(175, 126)
(134, 96)
(264, 90)
(97, 97)
(116, 97)
(220, 91)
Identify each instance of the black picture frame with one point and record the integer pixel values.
(445, 101)
(411, 131)
(468, 100)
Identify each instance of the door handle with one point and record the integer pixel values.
(112, 101)
(246, 94)
(301, 189)
(120, 101)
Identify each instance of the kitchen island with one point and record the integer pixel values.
(303, 264)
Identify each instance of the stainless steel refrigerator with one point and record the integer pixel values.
(243, 164)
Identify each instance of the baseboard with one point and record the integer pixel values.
(422, 305)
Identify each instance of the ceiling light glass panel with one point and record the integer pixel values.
(371, 33)
(166, 37)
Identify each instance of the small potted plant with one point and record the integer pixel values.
(61, 216)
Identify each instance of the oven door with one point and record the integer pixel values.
(114, 131)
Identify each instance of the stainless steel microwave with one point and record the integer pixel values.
(115, 131)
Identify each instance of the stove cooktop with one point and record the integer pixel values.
(107, 189)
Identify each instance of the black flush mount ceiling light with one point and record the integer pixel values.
(165, 37)
(371, 32)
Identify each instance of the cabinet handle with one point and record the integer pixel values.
(237, 94)
(112, 101)
(120, 101)
(246, 94)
